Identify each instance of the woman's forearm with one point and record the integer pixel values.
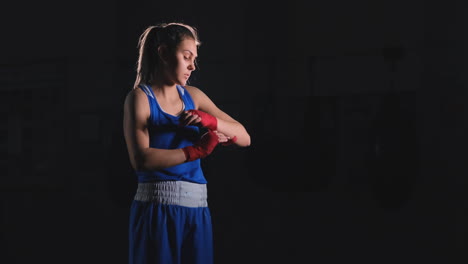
(156, 159)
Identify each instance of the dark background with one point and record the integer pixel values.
(356, 110)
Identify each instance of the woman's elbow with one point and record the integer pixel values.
(245, 142)
(147, 162)
(141, 161)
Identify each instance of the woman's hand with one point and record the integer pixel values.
(203, 119)
(198, 118)
(222, 138)
(225, 140)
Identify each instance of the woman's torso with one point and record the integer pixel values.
(165, 132)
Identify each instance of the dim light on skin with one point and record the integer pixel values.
(182, 62)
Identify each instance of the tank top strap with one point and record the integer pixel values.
(151, 99)
(188, 101)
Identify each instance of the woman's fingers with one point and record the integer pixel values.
(188, 119)
(193, 120)
(222, 137)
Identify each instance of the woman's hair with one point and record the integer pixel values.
(167, 34)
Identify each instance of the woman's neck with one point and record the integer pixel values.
(165, 91)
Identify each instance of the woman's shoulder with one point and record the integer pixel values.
(191, 89)
(136, 105)
(199, 97)
(136, 98)
(135, 94)
(195, 93)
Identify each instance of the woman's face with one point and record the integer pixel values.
(183, 62)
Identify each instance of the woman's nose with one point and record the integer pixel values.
(191, 66)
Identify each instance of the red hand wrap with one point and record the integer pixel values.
(201, 148)
(207, 120)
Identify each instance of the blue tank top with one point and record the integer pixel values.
(165, 133)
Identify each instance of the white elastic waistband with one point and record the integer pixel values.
(181, 193)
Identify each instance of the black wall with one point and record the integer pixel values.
(355, 109)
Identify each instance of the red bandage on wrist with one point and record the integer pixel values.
(207, 120)
(230, 141)
(201, 148)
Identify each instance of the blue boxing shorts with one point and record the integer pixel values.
(170, 223)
